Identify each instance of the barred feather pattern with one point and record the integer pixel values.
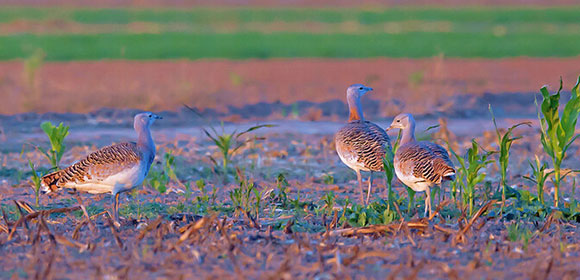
(97, 166)
(425, 161)
(363, 144)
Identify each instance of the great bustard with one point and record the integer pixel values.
(420, 165)
(361, 144)
(113, 169)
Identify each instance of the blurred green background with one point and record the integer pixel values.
(239, 33)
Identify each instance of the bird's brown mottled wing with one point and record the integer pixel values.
(367, 140)
(439, 152)
(96, 167)
(422, 162)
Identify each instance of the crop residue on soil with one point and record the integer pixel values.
(295, 233)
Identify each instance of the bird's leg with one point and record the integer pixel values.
(370, 185)
(427, 201)
(116, 209)
(80, 200)
(362, 195)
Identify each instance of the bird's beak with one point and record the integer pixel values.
(369, 88)
(389, 128)
(157, 117)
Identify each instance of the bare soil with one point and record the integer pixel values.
(277, 244)
(305, 99)
(273, 89)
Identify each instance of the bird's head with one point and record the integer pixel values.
(145, 119)
(357, 90)
(402, 121)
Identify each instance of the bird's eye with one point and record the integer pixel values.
(398, 120)
(360, 88)
(150, 116)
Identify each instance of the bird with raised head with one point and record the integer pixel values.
(361, 144)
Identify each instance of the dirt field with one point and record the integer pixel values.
(304, 225)
(284, 241)
(263, 89)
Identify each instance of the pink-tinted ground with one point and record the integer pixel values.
(400, 84)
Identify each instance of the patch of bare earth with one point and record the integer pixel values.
(295, 244)
(416, 85)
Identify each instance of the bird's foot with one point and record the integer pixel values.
(114, 220)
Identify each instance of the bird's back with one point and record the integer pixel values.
(115, 164)
(424, 161)
(362, 145)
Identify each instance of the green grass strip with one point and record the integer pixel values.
(256, 45)
(497, 15)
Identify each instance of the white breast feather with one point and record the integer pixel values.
(351, 160)
(411, 181)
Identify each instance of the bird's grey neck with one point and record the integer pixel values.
(355, 108)
(408, 134)
(144, 139)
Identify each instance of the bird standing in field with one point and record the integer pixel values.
(420, 165)
(361, 144)
(113, 169)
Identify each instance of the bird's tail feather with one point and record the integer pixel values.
(450, 175)
(49, 181)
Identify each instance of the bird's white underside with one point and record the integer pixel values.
(416, 184)
(351, 160)
(119, 182)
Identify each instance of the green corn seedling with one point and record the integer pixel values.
(459, 182)
(390, 173)
(35, 181)
(281, 195)
(56, 135)
(246, 197)
(539, 177)
(558, 130)
(471, 172)
(229, 143)
(329, 201)
(505, 143)
(158, 179)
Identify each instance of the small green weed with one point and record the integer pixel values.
(246, 197)
(328, 179)
(539, 177)
(374, 214)
(31, 66)
(518, 232)
(390, 173)
(328, 200)
(148, 210)
(295, 110)
(416, 79)
(158, 179)
(35, 182)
